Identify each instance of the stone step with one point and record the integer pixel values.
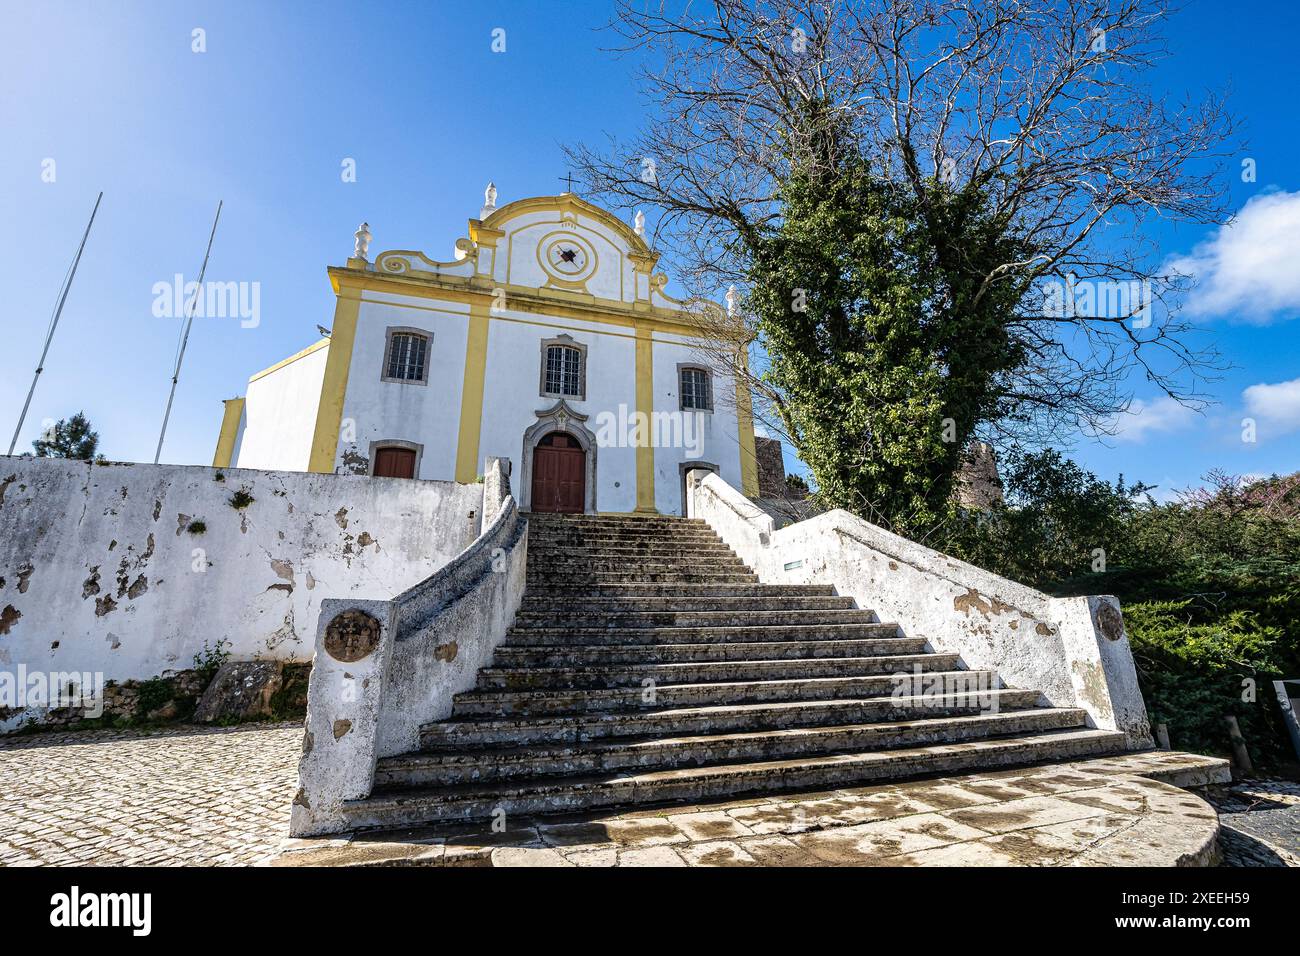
(556, 655)
(671, 549)
(540, 565)
(478, 703)
(747, 589)
(596, 539)
(679, 577)
(662, 525)
(579, 617)
(580, 561)
(585, 520)
(548, 795)
(571, 677)
(544, 603)
(609, 559)
(495, 730)
(662, 753)
(533, 636)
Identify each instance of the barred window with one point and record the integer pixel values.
(563, 371)
(697, 391)
(407, 356)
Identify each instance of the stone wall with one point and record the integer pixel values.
(978, 486)
(130, 571)
(1073, 650)
(771, 468)
(384, 668)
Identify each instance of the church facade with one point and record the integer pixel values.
(548, 340)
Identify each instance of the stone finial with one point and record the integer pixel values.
(638, 223)
(489, 201)
(363, 238)
(732, 299)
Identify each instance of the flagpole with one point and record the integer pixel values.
(54, 323)
(185, 337)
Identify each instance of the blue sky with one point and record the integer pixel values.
(285, 92)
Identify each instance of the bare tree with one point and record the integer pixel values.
(1045, 106)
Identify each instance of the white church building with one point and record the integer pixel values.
(547, 340)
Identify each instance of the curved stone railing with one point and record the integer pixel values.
(384, 668)
(1073, 650)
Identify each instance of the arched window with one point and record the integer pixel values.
(406, 357)
(696, 388)
(564, 368)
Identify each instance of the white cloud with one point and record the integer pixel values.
(1166, 492)
(1145, 418)
(1247, 269)
(1277, 405)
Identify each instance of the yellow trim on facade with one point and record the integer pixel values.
(555, 303)
(334, 385)
(471, 396)
(745, 431)
(565, 204)
(314, 347)
(234, 411)
(645, 453)
(502, 318)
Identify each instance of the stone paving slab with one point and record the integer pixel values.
(1059, 815)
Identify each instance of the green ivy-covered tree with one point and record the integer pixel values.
(935, 175)
(885, 350)
(69, 438)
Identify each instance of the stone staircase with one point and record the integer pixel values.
(647, 664)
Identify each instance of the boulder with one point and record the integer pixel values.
(242, 690)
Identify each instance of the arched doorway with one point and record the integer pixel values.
(559, 475)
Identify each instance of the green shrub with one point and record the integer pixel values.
(209, 660)
(153, 694)
(1210, 586)
(1195, 671)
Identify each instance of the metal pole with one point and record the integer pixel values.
(49, 336)
(185, 337)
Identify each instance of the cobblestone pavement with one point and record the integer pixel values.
(1260, 822)
(220, 796)
(182, 796)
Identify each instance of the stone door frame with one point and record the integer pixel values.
(559, 418)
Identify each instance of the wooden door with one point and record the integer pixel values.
(394, 463)
(559, 475)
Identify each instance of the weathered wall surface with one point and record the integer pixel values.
(105, 568)
(1073, 650)
(384, 668)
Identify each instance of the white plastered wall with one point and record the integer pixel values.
(716, 440)
(279, 417)
(424, 414)
(130, 569)
(512, 395)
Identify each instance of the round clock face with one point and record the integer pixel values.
(567, 259)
